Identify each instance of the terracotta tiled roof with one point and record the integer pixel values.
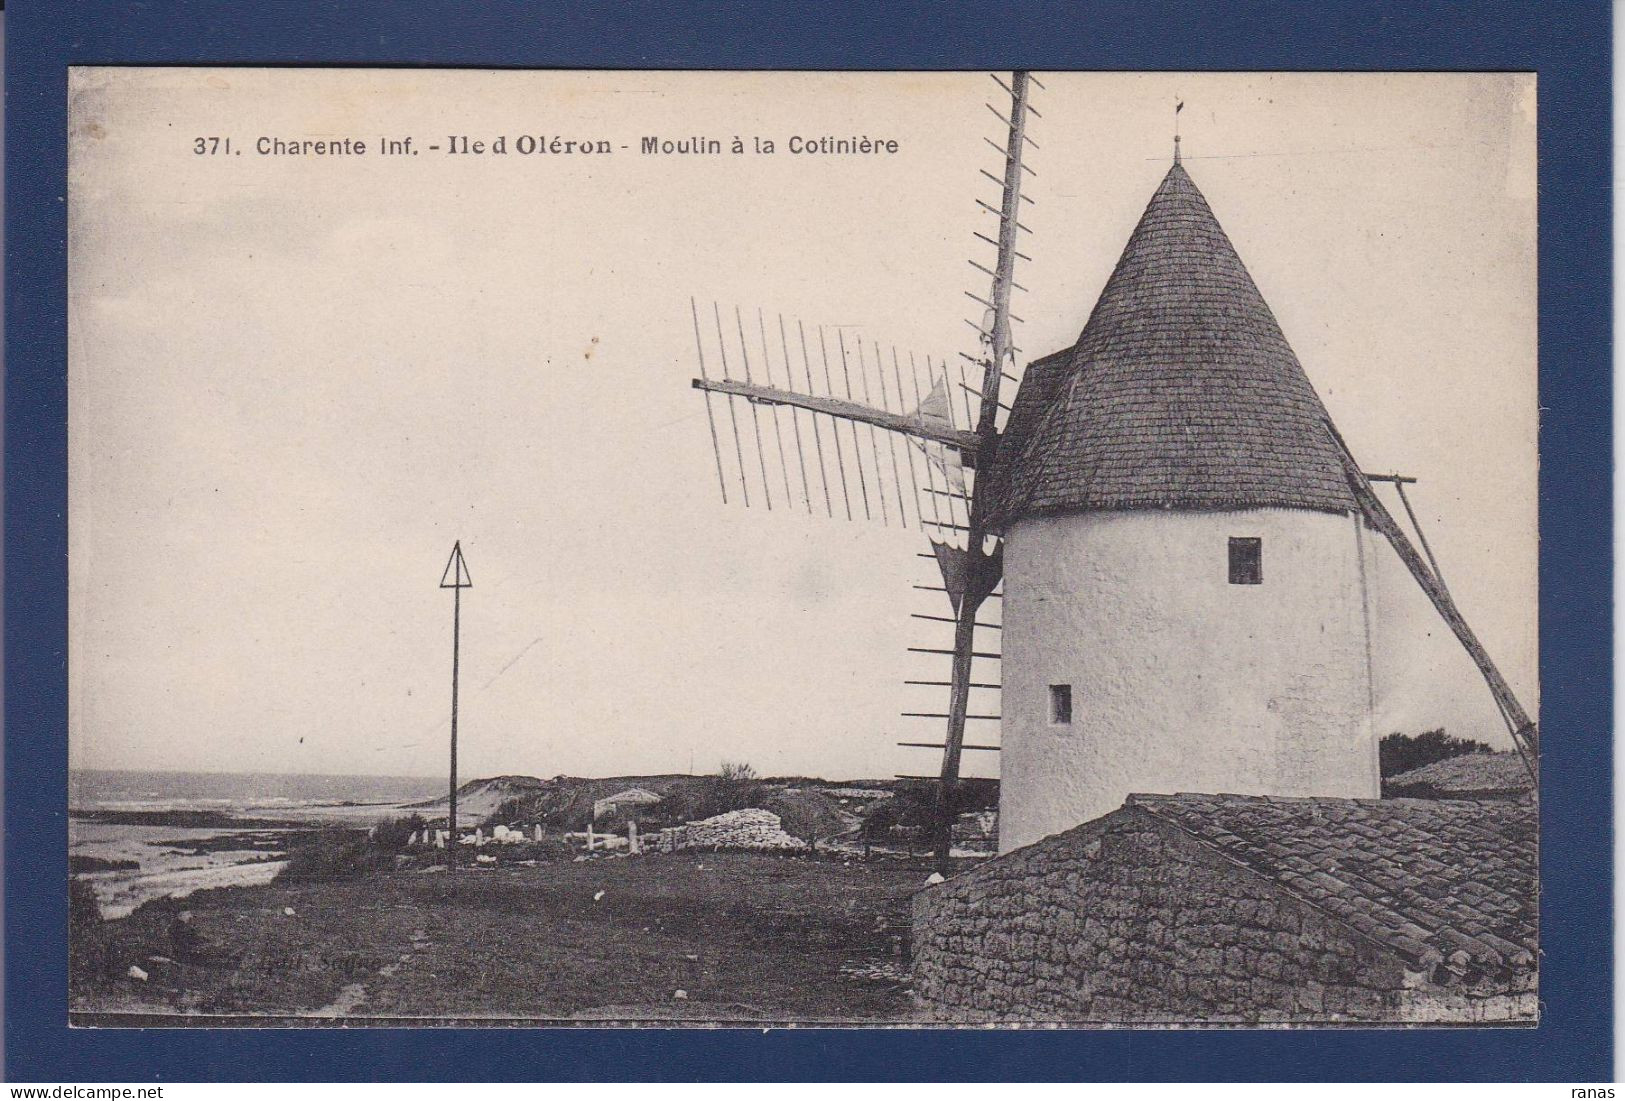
(1468, 774)
(1180, 393)
(1449, 882)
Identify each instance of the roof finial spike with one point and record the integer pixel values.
(1179, 105)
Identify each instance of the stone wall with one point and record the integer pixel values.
(1127, 919)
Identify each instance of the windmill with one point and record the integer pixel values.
(1180, 420)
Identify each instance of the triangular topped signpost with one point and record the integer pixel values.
(455, 577)
(456, 572)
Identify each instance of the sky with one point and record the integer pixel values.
(295, 381)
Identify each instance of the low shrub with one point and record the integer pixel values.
(93, 954)
(1400, 753)
(393, 834)
(84, 912)
(335, 854)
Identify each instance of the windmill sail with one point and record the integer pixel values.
(946, 462)
(829, 379)
(937, 411)
(978, 568)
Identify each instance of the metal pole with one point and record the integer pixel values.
(456, 579)
(456, 632)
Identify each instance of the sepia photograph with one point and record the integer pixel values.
(830, 549)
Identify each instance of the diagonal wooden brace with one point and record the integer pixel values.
(1525, 734)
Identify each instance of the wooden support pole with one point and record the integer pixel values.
(1416, 526)
(958, 706)
(1525, 734)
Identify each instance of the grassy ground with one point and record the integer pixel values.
(746, 936)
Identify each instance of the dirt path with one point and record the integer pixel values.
(354, 995)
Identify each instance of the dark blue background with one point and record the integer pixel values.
(1566, 42)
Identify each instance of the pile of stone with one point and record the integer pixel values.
(751, 828)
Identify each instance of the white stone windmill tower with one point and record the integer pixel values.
(1183, 539)
(1186, 591)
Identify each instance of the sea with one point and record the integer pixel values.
(173, 833)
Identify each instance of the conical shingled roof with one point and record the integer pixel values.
(1181, 393)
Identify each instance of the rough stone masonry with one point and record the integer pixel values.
(1227, 909)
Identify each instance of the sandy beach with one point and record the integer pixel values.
(135, 836)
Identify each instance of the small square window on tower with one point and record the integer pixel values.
(1060, 703)
(1246, 560)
